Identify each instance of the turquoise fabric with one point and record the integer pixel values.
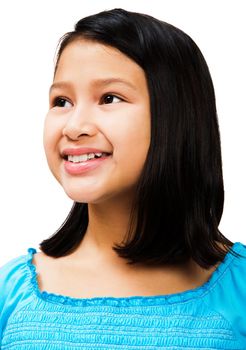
(212, 316)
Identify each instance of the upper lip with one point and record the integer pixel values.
(80, 151)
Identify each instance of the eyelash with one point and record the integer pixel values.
(59, 99)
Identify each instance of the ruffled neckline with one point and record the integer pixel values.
(180, 297)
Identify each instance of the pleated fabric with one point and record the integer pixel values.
(212, 316)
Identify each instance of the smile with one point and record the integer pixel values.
(85, 157)
(80, 164)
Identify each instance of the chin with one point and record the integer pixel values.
(84, 196)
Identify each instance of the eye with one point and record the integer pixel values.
(109, 98)
(61, 102)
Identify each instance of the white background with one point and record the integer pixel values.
(33, 205)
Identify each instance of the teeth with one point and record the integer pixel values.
(84, 157)
(91, 155)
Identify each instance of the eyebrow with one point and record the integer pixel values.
(96, 83)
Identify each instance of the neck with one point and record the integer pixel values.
(107, 226)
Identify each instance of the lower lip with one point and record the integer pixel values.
(83, 167)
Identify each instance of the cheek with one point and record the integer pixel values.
(131, 142)
(132, 133)
(51, 133)
(47, 137)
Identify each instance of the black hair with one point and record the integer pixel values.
(180, 193)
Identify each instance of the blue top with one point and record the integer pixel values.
(212, 316)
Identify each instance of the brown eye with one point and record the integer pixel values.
(61, 102)
(107, 99)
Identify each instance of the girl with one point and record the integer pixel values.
(132, 136)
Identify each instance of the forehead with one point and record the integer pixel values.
(89, 58)
(86, 47)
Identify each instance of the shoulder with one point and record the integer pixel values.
(227, 294)
(234, 271)
(13, 279)
(14, 286)
(229, 278)
(11, 270)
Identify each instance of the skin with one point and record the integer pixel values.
(122, 127)
(85, 119)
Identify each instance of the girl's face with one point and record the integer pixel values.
(99, 103)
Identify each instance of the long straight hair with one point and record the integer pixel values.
(180, 193)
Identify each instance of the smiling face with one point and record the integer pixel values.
(99, 103)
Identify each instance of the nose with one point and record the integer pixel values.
(79, 123)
